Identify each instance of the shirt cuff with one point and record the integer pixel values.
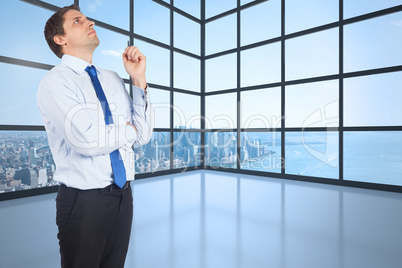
(139, 96)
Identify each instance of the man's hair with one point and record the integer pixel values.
(54, 26)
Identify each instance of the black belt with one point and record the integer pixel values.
(110, 188)
(114, 188)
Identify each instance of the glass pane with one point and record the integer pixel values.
(152, 20)
(221, 34)
(221, 149)
(261, 108)
(18, 100)
(221, 111)
(187, 148)
(187, 72)
(25, 161)
(261, 151)
(373, 156)
(158, 63)
(60, 3)
(108, 55)
(187, 111)
(213, 7)
(260, 22)
(352, 8)
(373, 100)
(186, 34)
(221, 73)
(373, 43)
(16, 34)
(243, 2)
(312, 154)
(261, 65)
(191, 7)
(116, 13)
(319, 57)
(155, 155)
(161, 104)
(312, 104)
(314, 13)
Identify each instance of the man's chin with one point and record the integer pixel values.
(95, 42)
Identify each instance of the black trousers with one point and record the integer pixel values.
(94, 226)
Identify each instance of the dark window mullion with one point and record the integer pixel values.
(340, 153)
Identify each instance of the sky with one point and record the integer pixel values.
(369, 44)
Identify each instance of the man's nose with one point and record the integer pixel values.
(91, 24)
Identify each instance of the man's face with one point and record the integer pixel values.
(78, 32)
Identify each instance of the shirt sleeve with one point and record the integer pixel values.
(142, 115)
(77, 121)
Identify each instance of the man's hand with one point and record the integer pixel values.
(135, 65)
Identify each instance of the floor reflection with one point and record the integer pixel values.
(206, 219)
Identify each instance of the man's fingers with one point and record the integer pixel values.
(133, 54)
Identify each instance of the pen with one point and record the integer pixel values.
(128, 43)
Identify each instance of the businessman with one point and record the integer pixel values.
(92, 123)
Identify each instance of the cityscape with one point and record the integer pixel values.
(26, 161)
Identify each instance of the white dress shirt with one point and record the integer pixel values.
(78, 137)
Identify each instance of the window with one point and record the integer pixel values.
(108, 54)
(187, 111)
(116, 13)
(16, 47)
(14, 109)
(312, 154)
(221, 34)
(261, 151)
(312, 55)
(190, 7)
(373, 156)
(186, 72)
(220, 73)
(373, 43)
(158, 63)
(290, 86)
(187, 148)
(373, 100)
(354, 8)
(218, 115)
(60, 3)
(267, 13)
(161, 104)
(186, 34)
(261, 108)
(152, 20)
(312, 104)
(221, 149)
(213, 7)
(301, 15)
(155, 155)
(25, 161)
(261, 65)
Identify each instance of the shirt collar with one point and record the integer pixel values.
(76, 64)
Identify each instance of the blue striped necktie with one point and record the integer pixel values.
(118, 168)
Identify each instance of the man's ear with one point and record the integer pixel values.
(58, 39)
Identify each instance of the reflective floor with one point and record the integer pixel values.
(207, 219)
(212, 219)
